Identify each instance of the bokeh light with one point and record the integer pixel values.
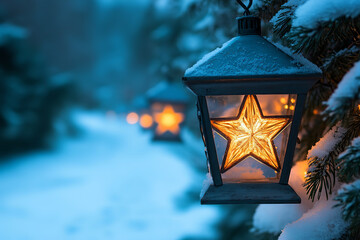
(132, 118)
(146, 121)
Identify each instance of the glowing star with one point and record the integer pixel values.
(250, 133)
(168, 120)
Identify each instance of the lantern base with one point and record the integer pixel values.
(250, 193)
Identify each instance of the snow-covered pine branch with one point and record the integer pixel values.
(317, 23)
(343, 99)
(348, 162)
(283, 19)
(321, 172)
(314, 12)
(349, 200)
(339, 63)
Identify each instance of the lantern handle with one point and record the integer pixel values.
(246, 8)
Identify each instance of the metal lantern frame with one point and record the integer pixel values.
(209, 78)
(166, 93)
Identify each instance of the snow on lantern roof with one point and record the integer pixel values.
(250, 55)
(168, 92)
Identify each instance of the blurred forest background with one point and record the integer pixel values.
(97, 54)
(59, 58)
(100, 55)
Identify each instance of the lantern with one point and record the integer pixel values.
(168, 102)
(251, 94)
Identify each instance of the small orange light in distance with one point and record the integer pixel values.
(146, 121)
(132, 118)
(283, 100)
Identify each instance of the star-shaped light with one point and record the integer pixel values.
(250, 133)
(168, 120)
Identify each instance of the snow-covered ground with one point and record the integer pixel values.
(111, 183)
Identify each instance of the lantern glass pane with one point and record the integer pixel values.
(244, 157)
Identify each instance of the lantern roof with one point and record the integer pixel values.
(168, 92)
(251, 64)
(251, 55)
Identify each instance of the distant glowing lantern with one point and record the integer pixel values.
(168, 120)
(168, 104)
(250, 99)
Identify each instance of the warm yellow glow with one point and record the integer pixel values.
(283, 100)
(168, 120)
(359, 106)
(286, 106)
(315, 111)
(146, 121)
(250, 134)
(292, 100)
(292, 108)
(132, 118)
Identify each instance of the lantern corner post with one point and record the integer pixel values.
(209, 142)
(290, 150)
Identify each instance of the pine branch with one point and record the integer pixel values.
(269, 9)
(334, 35)
(321, 171)
(283, 19)
(322, 168)
(282, 24)
(348, 163)
(345, 109)
(339, 63)
(342, 102)
(321, 175)
(351, 234)
(349, 200)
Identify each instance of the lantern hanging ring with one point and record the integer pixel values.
(246, 8)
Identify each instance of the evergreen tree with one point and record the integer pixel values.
(30, 99)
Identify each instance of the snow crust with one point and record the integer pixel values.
(244, 172)
(348, 88)
(327, 143)
(113, 182)
(323, 222)
(313, 12)
(250, 55)
(274, 217)
(308, 220)
(208, 56)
